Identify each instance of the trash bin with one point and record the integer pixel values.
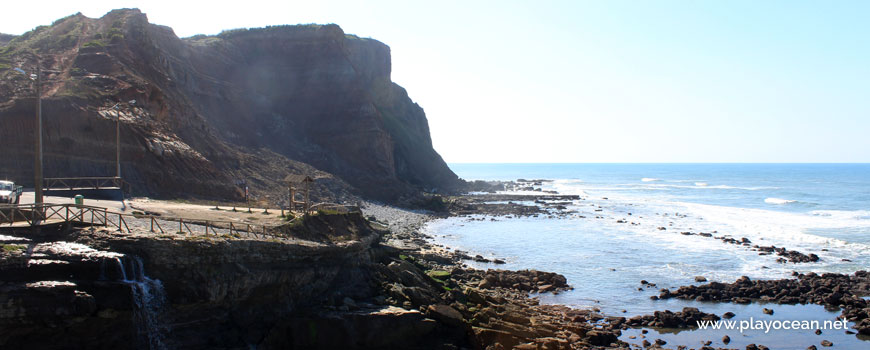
(80, 200)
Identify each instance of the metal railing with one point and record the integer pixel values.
(74, 183)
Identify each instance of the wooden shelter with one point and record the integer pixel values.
(296, 182)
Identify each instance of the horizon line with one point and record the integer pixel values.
(540, 163)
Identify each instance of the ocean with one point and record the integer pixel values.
(614, 239)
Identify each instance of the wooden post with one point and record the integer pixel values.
(307, 198)
(292, 198)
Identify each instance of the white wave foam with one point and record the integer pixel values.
(843, 214)
(566, 186)
(778, 201)
(704, 185)
(649, 179)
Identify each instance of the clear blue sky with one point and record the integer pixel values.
(592, 81)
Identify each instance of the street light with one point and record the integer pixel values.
(118, 137)
(37, 157)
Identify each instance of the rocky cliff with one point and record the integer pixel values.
(253, 104)
(96, 289)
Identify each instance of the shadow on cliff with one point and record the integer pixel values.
(247, 104)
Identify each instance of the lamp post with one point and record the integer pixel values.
(37, 156)
(118, 137)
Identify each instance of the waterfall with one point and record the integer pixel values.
(122, 269)
(148, 299)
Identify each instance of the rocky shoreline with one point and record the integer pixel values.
(369, 273)
(495, 305)
(834, 291)
(824, 289)
(785, 255)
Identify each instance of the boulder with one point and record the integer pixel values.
(445, 314)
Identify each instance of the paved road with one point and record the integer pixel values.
(122, 206)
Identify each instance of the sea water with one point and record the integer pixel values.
(613, 240)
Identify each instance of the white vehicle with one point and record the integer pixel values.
(9, 193)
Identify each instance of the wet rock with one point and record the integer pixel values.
(863, 326)
(365, 329)
(837, 291)
(827, 343)
(479, 258)
(445, 314)
(700, 279)
(688, 318)
(601, 338)
(523, 280)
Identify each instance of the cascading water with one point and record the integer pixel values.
(148, 298)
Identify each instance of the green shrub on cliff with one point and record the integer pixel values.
(13, 247)
(94, 43)
(114, 35)
(61, 20)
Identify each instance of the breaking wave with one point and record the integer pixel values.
(843, 214)
(778, 201)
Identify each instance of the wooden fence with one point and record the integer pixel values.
(24, 215)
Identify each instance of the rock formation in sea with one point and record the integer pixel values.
(252, 104)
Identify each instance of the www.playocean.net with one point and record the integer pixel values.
(767, 325)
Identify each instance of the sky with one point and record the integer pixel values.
(591, 81)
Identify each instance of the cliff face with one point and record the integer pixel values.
(96, 289)
(5, 38)
(255, 104)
